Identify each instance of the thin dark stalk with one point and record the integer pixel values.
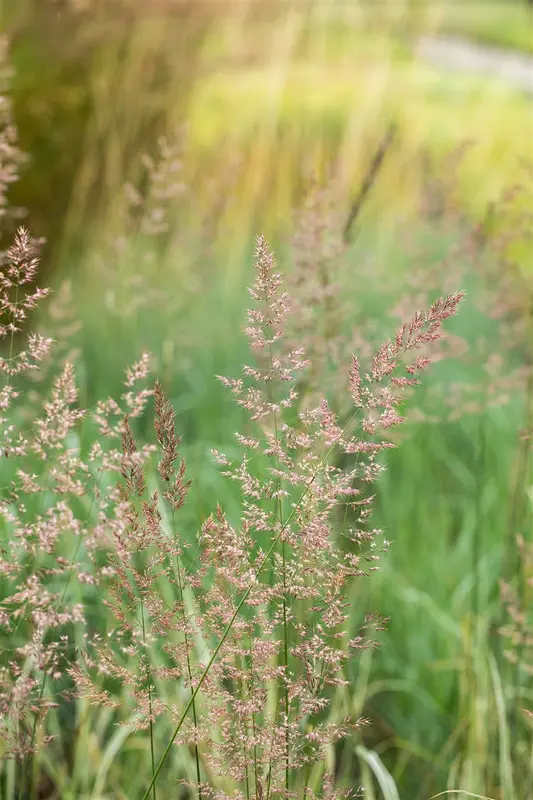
(269, 778)
(369, 179)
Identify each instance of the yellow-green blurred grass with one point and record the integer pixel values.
(306, 92)
(328, 87)
(507, 24)
(282, 89)
(318, 115)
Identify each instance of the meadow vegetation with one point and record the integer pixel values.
(308, 576)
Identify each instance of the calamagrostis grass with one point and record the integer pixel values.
(252, 641)
(50, 535)
(270, 591)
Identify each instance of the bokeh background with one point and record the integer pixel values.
(161, 137)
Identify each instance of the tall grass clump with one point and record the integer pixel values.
(230, 642)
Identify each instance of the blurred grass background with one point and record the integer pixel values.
(253, 97)
(271, 87)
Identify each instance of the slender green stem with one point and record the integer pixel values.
(244, 693)
(306, 782)
(246, 774)
(253, 713)
(152, 750)
(269, 780)
(269, 772)
(188, 658)
(13, 324)
(285, 628)
(286, 665)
